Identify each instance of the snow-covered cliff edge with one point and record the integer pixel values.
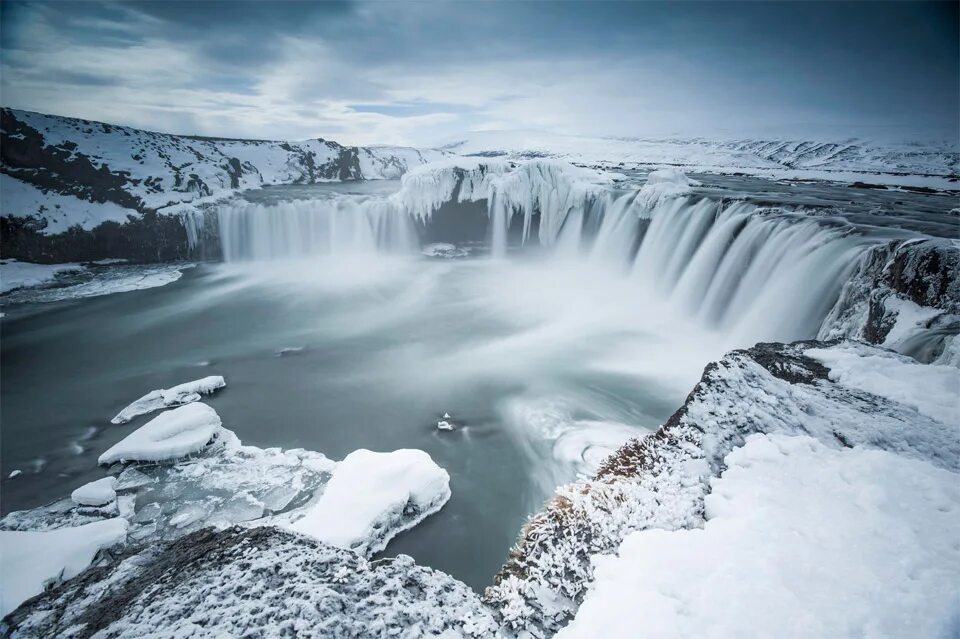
(68, 184)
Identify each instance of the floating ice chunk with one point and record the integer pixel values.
(175, 396)
(444, 250)
(446, 416)
(31, 559)
(97, 493)
(288, 350)
(171, 435)
(444, 424)
(373, 496)
(14, 473)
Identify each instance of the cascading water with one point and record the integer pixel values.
(747, 273)
(308, 228)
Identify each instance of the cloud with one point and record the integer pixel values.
(423, 73)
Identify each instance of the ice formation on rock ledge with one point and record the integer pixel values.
(177, 433)
(185, 393)
(374, 496)
(791, 541)
(29, 560)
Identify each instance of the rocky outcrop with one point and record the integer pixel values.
(660, 481)
(905, 295)
(241, 581)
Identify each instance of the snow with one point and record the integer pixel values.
(171, 435)
(96, 493)
(185, 393)
(801, 541)
(933, 390)
(661, 481)
(55, 212)
(259, 582)
(373, 496)
(30, 560)
(664, 184)
(908, 164)
(14, 274)
(161, 170)
(82, 282)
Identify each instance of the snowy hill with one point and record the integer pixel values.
(63, 172)
(841, 160)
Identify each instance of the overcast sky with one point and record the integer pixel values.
(426, 72)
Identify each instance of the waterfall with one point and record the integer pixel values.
(749, 273)
(308, 228)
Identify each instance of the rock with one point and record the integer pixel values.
(661, 480)
(237, 582)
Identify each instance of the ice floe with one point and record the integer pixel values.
(29, 560)
(14, 274)
(185, 393)
(373, 496)
(96, 493)
(169, 436)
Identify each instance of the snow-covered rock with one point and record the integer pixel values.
(31, 560)
(661, 481)
(185, 393)
(96, 493)
(177, 433)
(801, 539)
(374, 496)
(663, 184)
(15, 275)
(258, 581)
(904, 295)
(63, 172)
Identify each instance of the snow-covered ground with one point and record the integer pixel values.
(801, 540)
(880, 413)
(31, 559)
(907, 164)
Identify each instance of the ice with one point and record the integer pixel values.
(169, 436)
(374, 496)
(662, 185)
(14, 274)
(97, 493)
(800, 540)
(14, 473)
(934, 390)
(95, 281)
(174, 396)
(29, 560)
(444, 250)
